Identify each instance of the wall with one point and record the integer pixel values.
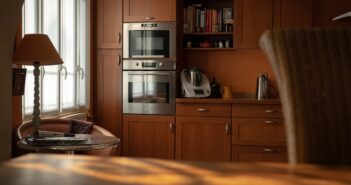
(9, 15)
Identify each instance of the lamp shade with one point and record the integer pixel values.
(36, 48)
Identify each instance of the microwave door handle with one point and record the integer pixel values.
(148, 56)
(159, 74)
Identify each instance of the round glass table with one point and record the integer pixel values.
(69, 145)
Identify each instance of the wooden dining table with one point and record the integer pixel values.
(55, 169)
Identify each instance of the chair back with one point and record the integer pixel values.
(313, 71)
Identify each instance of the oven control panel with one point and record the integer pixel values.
(149, 65)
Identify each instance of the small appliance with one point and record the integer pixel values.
(262, 86)
(194, 83)
(215, 89)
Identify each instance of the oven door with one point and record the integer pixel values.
(154, 41)
(149, 92)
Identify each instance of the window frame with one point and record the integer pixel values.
(78, 71)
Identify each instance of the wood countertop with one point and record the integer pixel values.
(230, 101)
(44, 169)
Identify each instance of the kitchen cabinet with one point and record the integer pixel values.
(109, 24)
(258, 133)
(252, 19)
(203, 132)
(109, 90)
(259, 154)
(149, 10)
(148, 136)
(293, 13)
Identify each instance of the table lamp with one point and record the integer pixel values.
(36, 50)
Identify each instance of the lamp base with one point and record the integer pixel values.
(36, 111)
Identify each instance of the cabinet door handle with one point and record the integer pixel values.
(270, 122)
(149, 18)
(202, 110)
(269, 111)
(171, 127)
(269, 150)
(228, 128)
(119, 60)
(119, 37)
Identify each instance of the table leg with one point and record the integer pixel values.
(70, 152)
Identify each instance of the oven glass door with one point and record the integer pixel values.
(149, 43)
(149, 92)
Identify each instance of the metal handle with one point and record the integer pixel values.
(269, 150)
(82, 72)
(152, 73)
(64, 68)
(270, 122)
(149, 18)
(119, 37)
(202, 110)
(44, 72)
(119, 60)
(227, 129)
(171, 127)
(269, 111)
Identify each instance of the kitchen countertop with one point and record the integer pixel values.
(230, 101)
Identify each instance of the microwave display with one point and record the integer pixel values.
(149, 43)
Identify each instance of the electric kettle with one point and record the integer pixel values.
(262, 86)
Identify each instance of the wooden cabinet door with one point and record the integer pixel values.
(293, 13)
(149, 10)
(109, 24)
(109, 90)
(253, 17)
(148, 136)
(258, 154)
(203, 138)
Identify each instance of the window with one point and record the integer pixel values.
(63, 88)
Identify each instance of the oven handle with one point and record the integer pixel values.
(161, 74)
(148, 56)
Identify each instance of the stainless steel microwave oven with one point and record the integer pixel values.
(149, 40)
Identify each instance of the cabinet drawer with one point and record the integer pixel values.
(185, 109)
(258, 111)
(258, 131)
(258, 154)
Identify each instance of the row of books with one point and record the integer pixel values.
(198, 19)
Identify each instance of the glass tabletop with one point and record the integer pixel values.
(80, 142)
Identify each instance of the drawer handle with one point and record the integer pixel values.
(270, 122)
(269, 150)
(202, 110)
(149, 18)
(269, 111)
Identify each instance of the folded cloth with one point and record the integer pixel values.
(80, 127)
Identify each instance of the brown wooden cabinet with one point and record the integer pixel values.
(258, 133)
(148, 136)
(252, 18)
(109, 24)
(258, 154)
(293, 13)
(203, 131)
(109, 90)
(203, 138)
(149, 10)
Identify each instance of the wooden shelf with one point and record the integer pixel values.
(210, 33)
(208, 49)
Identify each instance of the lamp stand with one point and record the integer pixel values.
(36, 112)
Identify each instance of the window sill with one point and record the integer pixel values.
(80, 115)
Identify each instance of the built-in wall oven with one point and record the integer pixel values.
(149, 86)
(149, 40)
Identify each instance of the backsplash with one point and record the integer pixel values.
(238, 69)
